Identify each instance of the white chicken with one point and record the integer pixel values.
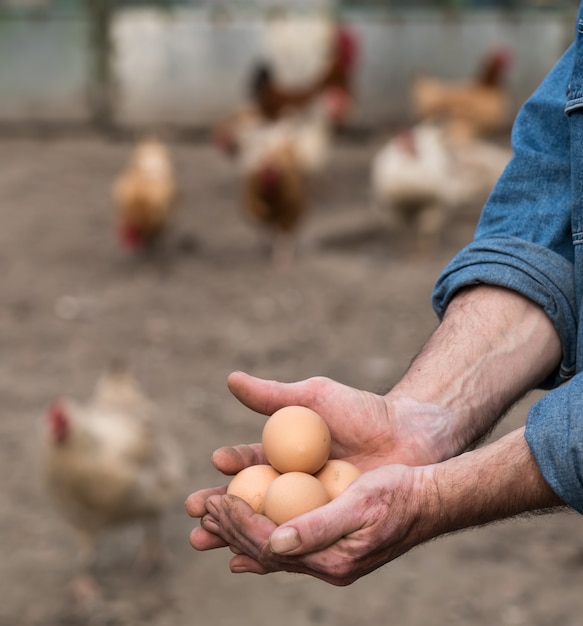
(247, 137)
(311, 134)
(424, 175)
(106, 463)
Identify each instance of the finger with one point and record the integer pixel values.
(210, 525)
(239, 525)
(248, 533)
(253, 392)
(264, 396)
(201, 539)
(252, 551)
(318, 529)
(232, 459)
(195, 504)
(243, 564)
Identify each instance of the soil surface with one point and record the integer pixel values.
(352, 307)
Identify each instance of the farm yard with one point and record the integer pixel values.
(96, 271)
(350, 307)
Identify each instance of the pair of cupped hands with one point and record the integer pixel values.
(381, 515)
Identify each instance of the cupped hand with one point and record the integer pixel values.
(375, 520)
(368, 429)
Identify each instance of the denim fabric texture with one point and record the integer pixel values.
(529, 238)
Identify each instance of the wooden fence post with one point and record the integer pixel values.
(100, 13)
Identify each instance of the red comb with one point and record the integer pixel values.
(58, 422)
(346, 46)
(129, 237)
(502, 54)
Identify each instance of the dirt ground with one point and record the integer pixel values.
(351, 308)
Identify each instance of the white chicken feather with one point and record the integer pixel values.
(423, 175)
(306, 133)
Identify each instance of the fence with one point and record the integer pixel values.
(185, 64)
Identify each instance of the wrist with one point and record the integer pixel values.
(495, 482)
(426, 429)
(492, 346)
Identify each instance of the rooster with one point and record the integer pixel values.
(333, 87)
(472, 108)
(423, 175)
(145, 195)
(313, 111)
(107, 463)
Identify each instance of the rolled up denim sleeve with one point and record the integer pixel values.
(527, 268)
(554, 433)
(523, 238)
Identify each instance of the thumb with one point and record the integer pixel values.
(317, 529)
(263, 396)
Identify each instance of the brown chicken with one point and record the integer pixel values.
(145, 196)
(274, 196)
(471, 108)
(277, 162)
(106, 463)
(333, 86)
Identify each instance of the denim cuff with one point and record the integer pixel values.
(554, 433)
(534, 271)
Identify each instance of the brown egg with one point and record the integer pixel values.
(292, 494)
(336, 475)
(296, 439)
(251, 484)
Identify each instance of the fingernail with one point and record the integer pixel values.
(284, 540)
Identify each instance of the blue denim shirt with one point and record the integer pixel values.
(530, 239)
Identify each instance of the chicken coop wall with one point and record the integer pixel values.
(188, 67)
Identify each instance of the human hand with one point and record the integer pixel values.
(382, 514)
(367, 429)
(376, 519)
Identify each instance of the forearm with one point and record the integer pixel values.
(492, 346)
(495, 482)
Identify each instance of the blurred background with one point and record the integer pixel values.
(196, 187)
(185, 62)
